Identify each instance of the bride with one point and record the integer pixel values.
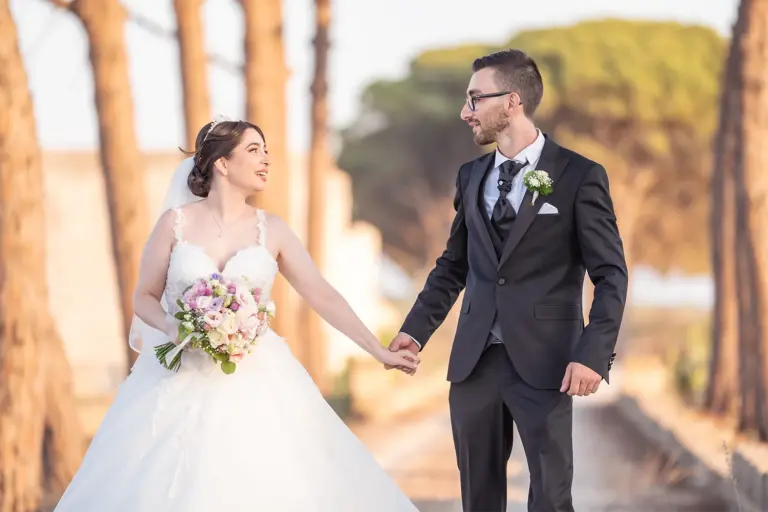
(262, 439)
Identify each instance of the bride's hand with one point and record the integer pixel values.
(402, 359)
(172, 329)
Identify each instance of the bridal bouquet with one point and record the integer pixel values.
(222, 317)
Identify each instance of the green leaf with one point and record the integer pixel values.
(228, 367)
(183, 332)
(179, 315)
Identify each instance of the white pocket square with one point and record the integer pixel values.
(548, 209)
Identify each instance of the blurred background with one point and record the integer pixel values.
(360, 104)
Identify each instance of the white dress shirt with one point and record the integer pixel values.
(531, 154)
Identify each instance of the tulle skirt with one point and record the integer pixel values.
(262, 439)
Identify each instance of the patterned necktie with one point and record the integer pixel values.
(503, 212)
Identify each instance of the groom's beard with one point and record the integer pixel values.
(489, 131)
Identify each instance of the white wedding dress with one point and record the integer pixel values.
(262, 439)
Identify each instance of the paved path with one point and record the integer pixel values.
(613, 471)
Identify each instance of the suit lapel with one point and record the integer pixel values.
(479, 169)
(553, 162)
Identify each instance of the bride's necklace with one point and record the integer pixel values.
(223, 228)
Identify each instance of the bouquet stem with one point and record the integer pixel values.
(163, 350)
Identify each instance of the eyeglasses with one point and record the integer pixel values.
(474, 97)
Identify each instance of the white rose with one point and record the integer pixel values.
(204, 301)
(216, 338)
(229, 323)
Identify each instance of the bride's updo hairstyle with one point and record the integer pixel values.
(214, 140)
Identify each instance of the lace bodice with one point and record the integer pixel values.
(189, 262)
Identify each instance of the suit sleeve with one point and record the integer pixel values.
(603, 255)
(446, 280)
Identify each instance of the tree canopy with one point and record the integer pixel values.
(639, 97)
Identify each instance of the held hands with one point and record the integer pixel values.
(580, 380)
(404, 360)
(403, 342)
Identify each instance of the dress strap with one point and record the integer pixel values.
(178, 224)
(262, 227)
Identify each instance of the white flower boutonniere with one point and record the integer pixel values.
(539, 183)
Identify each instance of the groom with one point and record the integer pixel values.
(521, 350)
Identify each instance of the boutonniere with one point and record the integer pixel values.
(539, 183)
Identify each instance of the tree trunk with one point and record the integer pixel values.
(27, 337)
(319, 161)
(64, 442)
(266, 78)
(197, 102)
(122, 165)
(750, 348)
(722, 393)
(754, 173)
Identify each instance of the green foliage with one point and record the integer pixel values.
(691, 364)
(629, 94)
(649, 72)
(340, 397)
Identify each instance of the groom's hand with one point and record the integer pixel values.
(403, 341)
(580, 380)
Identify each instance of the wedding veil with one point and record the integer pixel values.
(178, 194)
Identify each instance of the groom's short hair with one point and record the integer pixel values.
(515, 71)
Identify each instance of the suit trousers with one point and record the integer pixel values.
(484, 407)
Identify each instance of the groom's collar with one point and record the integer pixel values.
(531, 153)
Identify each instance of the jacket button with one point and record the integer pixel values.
(501, 281)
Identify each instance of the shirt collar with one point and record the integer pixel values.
(531, 153)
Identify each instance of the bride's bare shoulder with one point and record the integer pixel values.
(277, 229)
(173, 218)
(189, 208)
(274, 221)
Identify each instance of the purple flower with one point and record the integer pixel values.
(234, 306)
(216, 304)
(216, 276)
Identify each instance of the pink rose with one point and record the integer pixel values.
(249, 333)
(234, 306)
(213, 319)
(243, 296)
(237, 356)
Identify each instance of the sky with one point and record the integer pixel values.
(371, 40)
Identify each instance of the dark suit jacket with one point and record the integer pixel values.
(536, 285)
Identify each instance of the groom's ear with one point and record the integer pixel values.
(513, 100)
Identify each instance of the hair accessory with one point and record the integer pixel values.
(220, 118)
